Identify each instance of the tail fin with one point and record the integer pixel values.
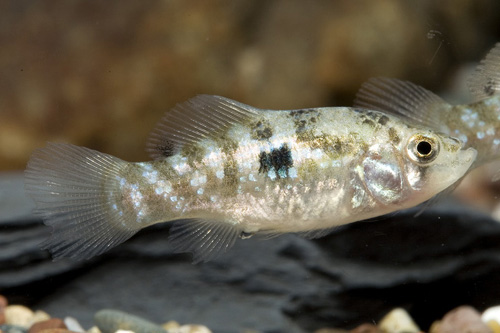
(72, 188)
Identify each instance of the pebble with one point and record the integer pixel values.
(494, 326)
(331, 330)
(110, 321)
(398, 321)
(73, 325)
(366, 328)
(171, 326)
(46, 324)
(193, 329)
(490, 314)
(19, 315)
(462, 319)
(3, 305)
(7, 328)
(38, 316)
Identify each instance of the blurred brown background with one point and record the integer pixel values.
(101, 73)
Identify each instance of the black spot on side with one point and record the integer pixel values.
(383, 120)
(279, 160)
(264, 162)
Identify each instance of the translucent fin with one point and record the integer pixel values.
(438, 197)
(200, 117)
(205, 239)
(318, 233)
(71, 187)
(496, 176)
(485, 82)
(404, 99)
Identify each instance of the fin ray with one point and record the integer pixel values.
(402, 98)
(205, 239)
(71, 187)
(203, 116)
(318, 233)
(485, 82)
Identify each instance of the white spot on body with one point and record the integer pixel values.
(200, 191)
(251, 178)
(219, 174)
(292, 172)
(480, 135)
(151, 176)
(173, 198)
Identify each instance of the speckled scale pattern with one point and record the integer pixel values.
(281, 171)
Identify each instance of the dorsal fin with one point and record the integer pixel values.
(203, 116)
(485, 82)
(402, 98)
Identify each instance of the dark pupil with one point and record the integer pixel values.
(424, 148)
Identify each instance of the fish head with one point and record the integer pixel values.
(422, 164)
(433, 162)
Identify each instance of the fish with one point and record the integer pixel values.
(476, 124)
(223, 170)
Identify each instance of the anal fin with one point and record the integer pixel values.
(205, 239)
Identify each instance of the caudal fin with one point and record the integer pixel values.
(72, 188)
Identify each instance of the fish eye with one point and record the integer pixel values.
(423, 149)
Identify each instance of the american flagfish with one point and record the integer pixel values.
(223, 170)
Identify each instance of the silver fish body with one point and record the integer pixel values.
(224, 170)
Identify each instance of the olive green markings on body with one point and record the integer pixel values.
(261, 130)
(193, 153)
(393, 135)
(308, 170)
(230, 180)
(369, 122)
(383, 120)
(304, 121)
(330, 145)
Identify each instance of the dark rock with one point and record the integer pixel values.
(429, 264)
